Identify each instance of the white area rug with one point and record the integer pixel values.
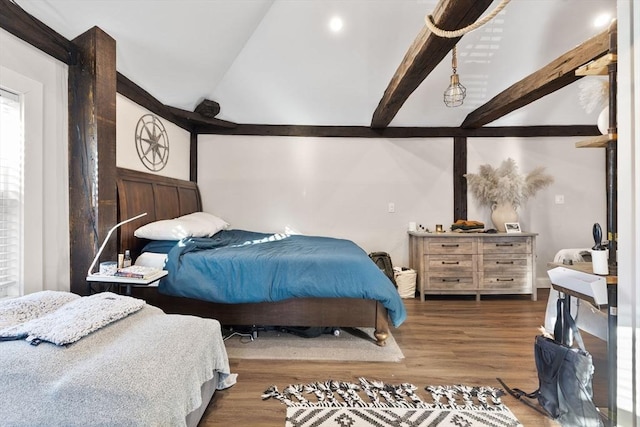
(376, 404)
(395, 417)
(353, 344)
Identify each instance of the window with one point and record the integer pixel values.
(11, 193)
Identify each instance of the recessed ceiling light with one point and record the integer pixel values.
(602, 20)
(336, 24)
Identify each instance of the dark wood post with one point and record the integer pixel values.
(459, 181)
(612, 154)
(92, 152)
(193, 157)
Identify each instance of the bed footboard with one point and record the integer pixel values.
(300, 312)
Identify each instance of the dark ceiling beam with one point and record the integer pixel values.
(196, 119)
(135, 93)
(400, 132)
(182, 118)
(425, 53)
(555, 75)
(18, 22)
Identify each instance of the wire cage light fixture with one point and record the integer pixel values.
(454, 94)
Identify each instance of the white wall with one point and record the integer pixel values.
(341, 187)
(46, 211)
(338, 187)
(127, 115)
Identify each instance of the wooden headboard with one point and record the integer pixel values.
(160, 197)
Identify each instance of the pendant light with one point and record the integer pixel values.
(456, 92)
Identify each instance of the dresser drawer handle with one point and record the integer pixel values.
(450, 245)
(504, 244)
(504, 280)
(504, 262)
(451, 262)
(450, 280)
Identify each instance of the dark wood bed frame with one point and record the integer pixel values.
(166, 198)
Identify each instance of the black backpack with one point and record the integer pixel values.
(383, 261)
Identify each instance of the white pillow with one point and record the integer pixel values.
(202, 224)
(197, 224)
(151, 259)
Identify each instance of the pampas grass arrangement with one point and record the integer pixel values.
(594, 94)
(505, 184)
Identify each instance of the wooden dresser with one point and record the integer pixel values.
(473, 263)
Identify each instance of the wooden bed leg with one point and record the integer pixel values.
(381, 331)
(381, 337)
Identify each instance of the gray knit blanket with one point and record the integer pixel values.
(62, 318)
(19, 310)
(145, 369)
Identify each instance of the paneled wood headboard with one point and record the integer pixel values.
(160, 197)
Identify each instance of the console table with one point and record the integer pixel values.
(473, 263)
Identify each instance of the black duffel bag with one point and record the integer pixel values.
(565, 375)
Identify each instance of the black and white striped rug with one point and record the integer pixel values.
(374, 403)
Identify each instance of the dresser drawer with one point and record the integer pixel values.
(444, 282)
(516, 284)
(501, 245)
(451, 246)
(453, 263)
(506, 264)
(508, 273)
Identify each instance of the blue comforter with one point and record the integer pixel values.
(237, 266)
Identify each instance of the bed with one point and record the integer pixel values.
(166, 198)
(129, 364)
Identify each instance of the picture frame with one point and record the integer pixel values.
(512, 227)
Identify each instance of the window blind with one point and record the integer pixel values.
(11, 193)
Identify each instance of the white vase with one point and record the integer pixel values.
(603, 121)
(501, 213)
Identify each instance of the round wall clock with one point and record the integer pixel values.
(152, 142)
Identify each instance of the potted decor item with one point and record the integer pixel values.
(504, 189)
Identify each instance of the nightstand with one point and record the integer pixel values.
(109, 281)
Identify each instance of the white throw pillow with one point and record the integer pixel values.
(203, 224)
(197, 224)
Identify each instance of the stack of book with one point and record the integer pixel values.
(138, 272)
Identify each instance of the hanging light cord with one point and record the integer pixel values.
(454, 60)
(462, 31)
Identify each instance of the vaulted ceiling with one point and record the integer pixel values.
(279, 62)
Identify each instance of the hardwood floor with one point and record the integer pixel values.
(445, 340)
